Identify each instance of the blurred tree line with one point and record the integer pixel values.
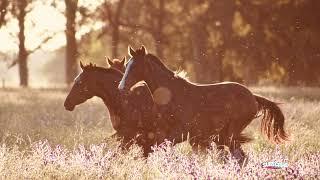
(249, 41)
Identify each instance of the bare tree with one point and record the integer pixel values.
(71, 47)
(20, 10)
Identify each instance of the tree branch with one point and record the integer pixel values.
(44, 41)
(14, 62)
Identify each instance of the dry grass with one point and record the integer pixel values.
(40, 140)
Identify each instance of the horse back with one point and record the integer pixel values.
(222, 88)
(228, 97)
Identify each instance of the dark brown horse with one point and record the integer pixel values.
(131, 114)
(217, 112)
(163, 115)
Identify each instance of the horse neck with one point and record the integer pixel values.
(108, 91)
(159, 77)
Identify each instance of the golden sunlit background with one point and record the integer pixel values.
(271, 46)
(252, 42)
(45, 25)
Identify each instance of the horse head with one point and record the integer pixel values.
(117, 64)
(136, 67)
(82, 89)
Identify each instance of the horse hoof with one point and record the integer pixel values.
(223, 156)
(240, 157)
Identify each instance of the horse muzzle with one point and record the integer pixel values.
(68, 106)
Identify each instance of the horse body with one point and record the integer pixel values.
(215, 105)
(217, 112)
(141, 91)
(204, 110)
(131, 114)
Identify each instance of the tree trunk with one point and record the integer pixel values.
(199, 45)
(158, 36)
(71, 47)
(23, 54)
(115, 38)
(115, 41)
(224, 14)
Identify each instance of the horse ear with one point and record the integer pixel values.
(81, 65)
(131, 52)
(109, 61)
(144, 50)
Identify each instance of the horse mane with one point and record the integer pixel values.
(180, 74)
(140, 52)
(157, 61)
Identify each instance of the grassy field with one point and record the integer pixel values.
(40, 140)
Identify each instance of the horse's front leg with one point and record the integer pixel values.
(146, 150)
(146, 140)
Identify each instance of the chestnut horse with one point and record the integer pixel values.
(133, 114)
(207, 112)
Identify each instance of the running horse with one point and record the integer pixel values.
(206, 112)
(133, 115)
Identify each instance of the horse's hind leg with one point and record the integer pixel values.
(235, 139)
(230, 136)
(221, 141)
(237, 153)
(198, 144)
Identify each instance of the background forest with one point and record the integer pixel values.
(249, 41)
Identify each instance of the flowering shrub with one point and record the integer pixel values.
(166, 162)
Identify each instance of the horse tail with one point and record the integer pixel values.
(272, 123)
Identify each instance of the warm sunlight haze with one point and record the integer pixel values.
(159, 89)
(42, 21)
